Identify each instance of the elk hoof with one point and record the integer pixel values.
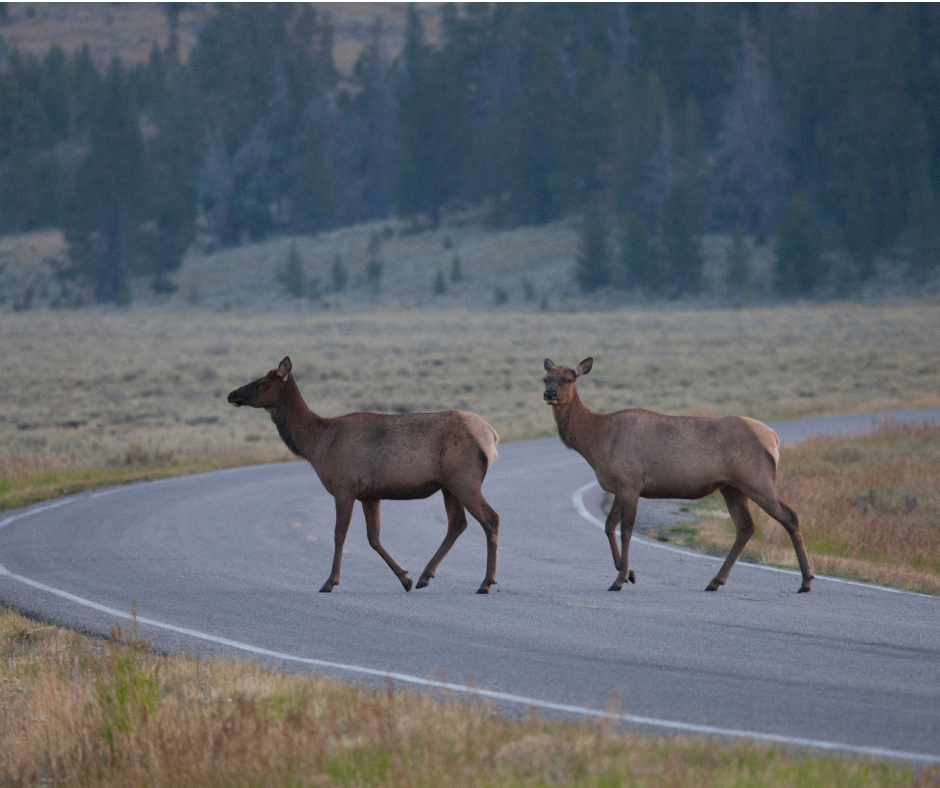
(631, 577)
(615, 587)
(483, 590)
(804, 590)
(423, 581)
(712, 586)
(326, 588)
(406, 582)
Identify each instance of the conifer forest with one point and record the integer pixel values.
(812, 127)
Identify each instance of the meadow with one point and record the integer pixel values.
(82, 711)
(101, 396)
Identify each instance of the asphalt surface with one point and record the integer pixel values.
(230, 563)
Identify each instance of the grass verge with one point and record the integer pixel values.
(19, 490)
(869, 509)
(79, 711)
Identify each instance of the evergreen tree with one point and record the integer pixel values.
(527, 143)
(799, 266)
(375, 266)
(440, 283)
(923, 227)
(102, 224)
(861, 228)
(593, 259)
(738, 272)
(291, 274)
(456, 272)
(681, 240)
(339, 274)
(433, 129)
(311, 196)
(637, 256)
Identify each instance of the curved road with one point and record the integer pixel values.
(230, 563)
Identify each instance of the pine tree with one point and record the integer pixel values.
(102, 223)
(456, 272)
(593, 259)
(637, 256)
(339, 274)
(440, 284)
(799, 267)
(738, 272)
(291, 274)
(923, 228)
(433, 128)
(311, 196)
(374, 268)
(681, 239)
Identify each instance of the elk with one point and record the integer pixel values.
(636, 454)
(370, 457)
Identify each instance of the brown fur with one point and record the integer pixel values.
(640, 454)
(368, 457)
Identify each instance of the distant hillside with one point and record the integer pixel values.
(526, 268)
(128, 30)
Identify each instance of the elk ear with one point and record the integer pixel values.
(549, 364)
(584, 367)
(284, 368)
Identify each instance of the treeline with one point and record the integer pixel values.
(814, 126)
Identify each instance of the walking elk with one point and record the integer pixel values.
(372, 457)
(640, 454)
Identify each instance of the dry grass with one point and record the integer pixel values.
(76, 711)
(99, 394)
(869, 509)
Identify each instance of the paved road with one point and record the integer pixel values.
(231, 561)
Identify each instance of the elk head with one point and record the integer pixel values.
(264, 392)
(559, 382)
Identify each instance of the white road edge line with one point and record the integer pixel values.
(405, 678)
(578, 500)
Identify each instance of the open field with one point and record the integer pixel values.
(78, 711)
(869, 509)
(109, 394)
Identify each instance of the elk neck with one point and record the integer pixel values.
(578, 427)
(298, 426)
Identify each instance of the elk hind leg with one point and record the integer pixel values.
(784, 515)
(456, 525)
(372, 510)
(476, 504)
(743, 525)
(344, 510)
(628, 503)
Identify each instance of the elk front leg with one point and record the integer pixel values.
(344, 510)
(744, 528)
(610, 528)
(372, 511)
(628, 502)
(456, 525)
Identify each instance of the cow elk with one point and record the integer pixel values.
(640, 454)
(370, 457)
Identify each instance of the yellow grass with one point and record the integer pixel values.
(869, 509)
(140, 392)
(77, 711)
